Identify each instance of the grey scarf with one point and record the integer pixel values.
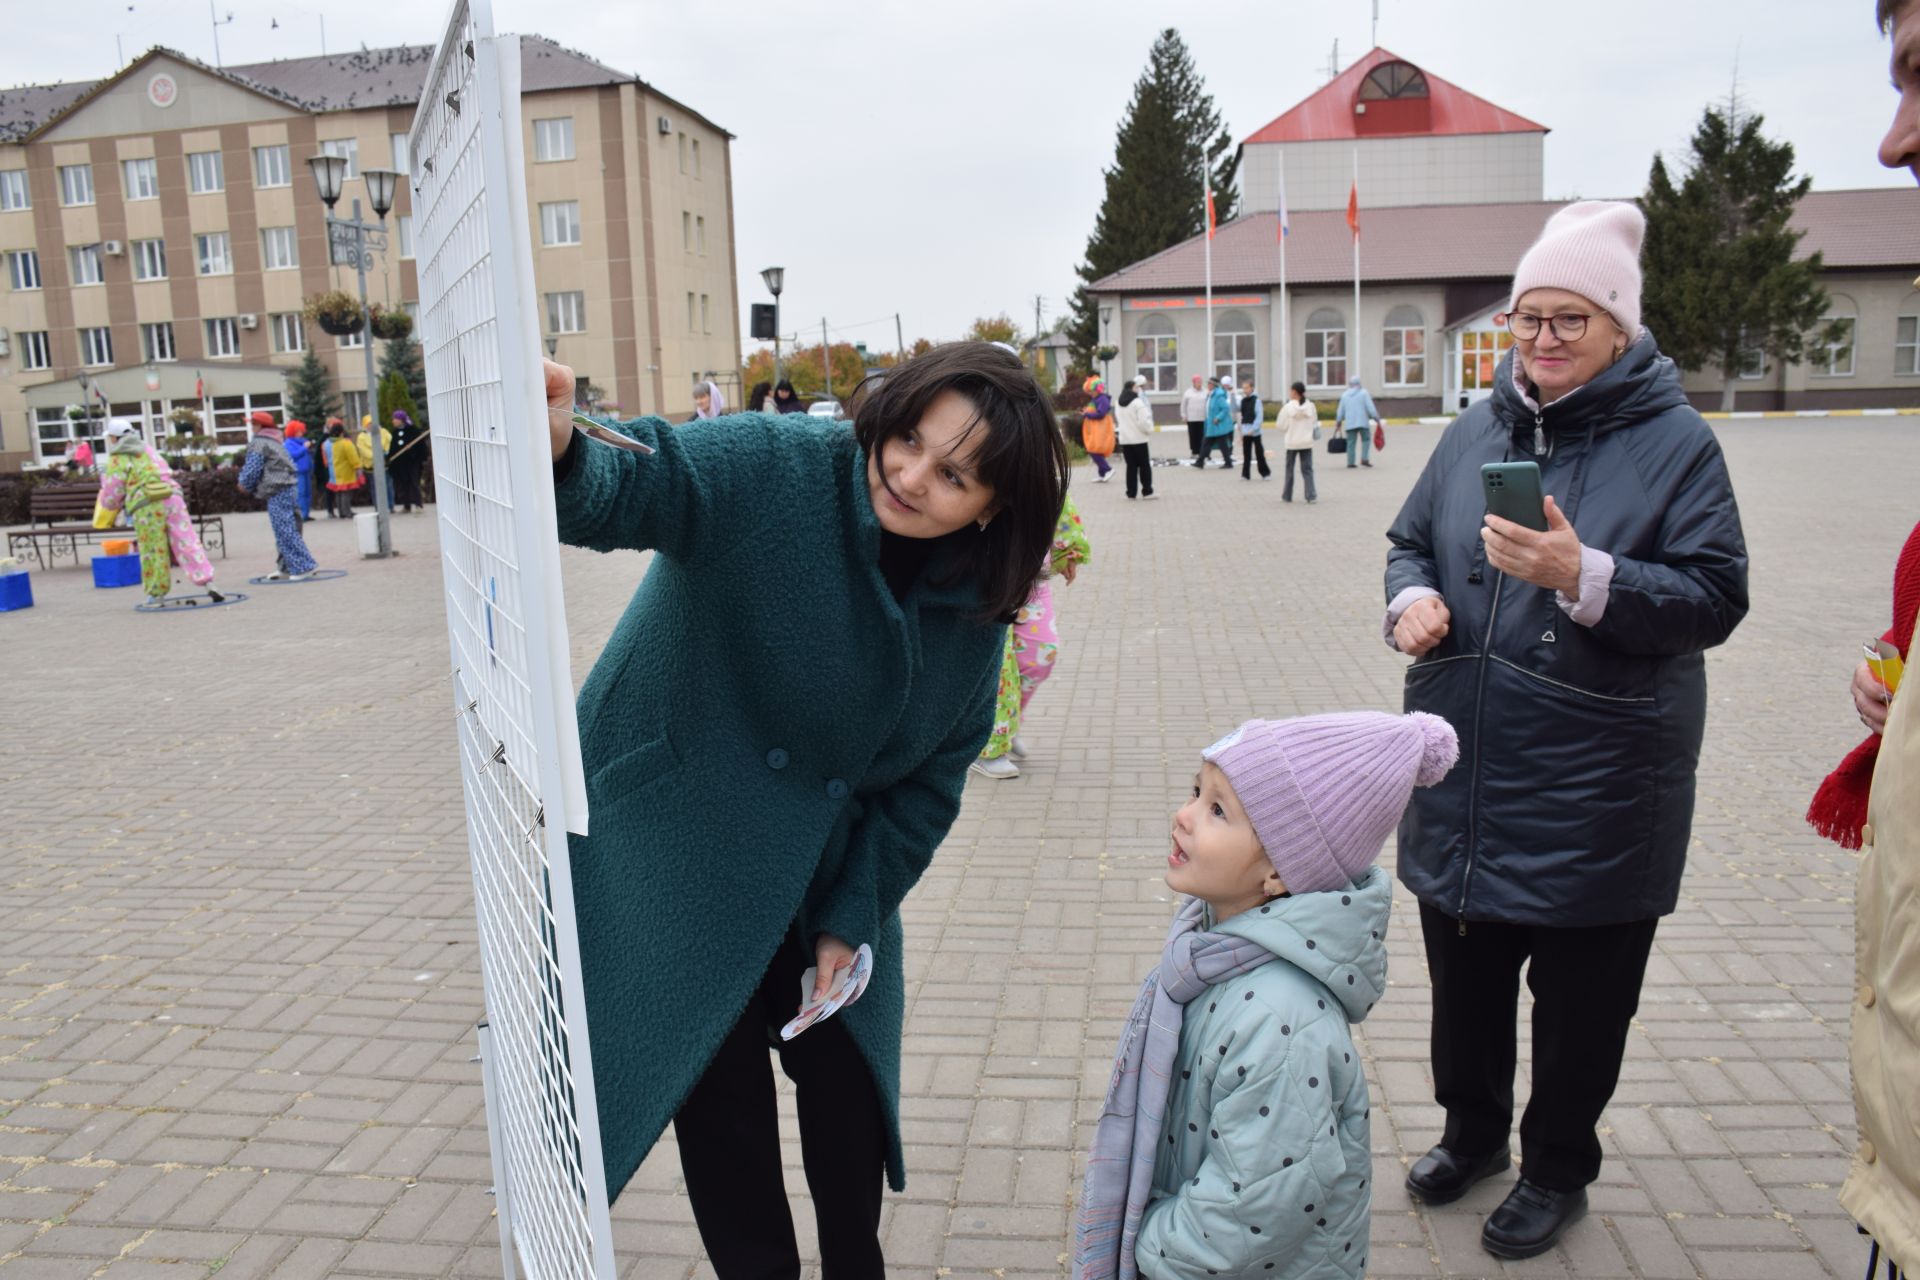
(1125, 1142)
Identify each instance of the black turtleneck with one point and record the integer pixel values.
(901, 560)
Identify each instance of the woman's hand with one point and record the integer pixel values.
(1870, 698)
(830, 955)
(559, 405)
(1069, 569)
(1550, 559)
(1423, 625)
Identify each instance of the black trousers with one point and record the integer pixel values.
(1196, 439)
(1139, 459)
(1223, 443)
(730, 1142)
(1586, 986)
(1252, 447)
(1306, 469)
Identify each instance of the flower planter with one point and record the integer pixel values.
(391, 325)
(340, 325)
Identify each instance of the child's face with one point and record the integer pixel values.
(701, 400)
(1216, 854)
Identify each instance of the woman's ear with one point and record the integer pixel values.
(1273, 886)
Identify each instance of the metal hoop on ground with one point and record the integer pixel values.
(190, 604)
(318, 575)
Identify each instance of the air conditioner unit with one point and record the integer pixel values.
(249, 322)
(664, 125)
(112, 248)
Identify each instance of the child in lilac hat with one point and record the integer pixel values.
(1234, 1141)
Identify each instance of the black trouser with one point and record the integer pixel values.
(1586, 986)
(1306, 469)
(1139, 467)
(1196, 439)
(729, 1138)
(1223, 443)
(1252, 447)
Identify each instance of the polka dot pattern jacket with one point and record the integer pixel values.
(1264, 1170)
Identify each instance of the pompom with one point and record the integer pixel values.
(1439, 748)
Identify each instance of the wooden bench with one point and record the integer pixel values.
(61, 516)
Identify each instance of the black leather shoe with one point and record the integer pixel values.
(1442, 1176)
(1531, 1220)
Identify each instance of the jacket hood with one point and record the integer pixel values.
(1337, 937)
(1634, 388)
(1128, 395)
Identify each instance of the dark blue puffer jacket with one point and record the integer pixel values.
(1573, 801)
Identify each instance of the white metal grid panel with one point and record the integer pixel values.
(518, 741)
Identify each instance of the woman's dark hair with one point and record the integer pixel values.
(786, 386)
(757, 399)
(1015, 446)
(1300, 389)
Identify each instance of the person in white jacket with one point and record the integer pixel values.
(1193, 407)
(1133, 427)
(1299, 424)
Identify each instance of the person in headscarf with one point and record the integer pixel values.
(139, 482)
(707, 400)
(268, 474)
(403, 465)
(786, 399)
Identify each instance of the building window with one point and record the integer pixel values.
(156, 341)
(1233, 346)
(35, 351)
(706, 325)
(1393, 80)
(560, 222)
(1834, 358)
(1156, 354)
(141, 179)
(347, 149)
(700, 235)
(76, 184)
(289, 332)
(149, 259)
(1906, 345)
(353, 341)
(206, 173)
(214, 253)
(1750, 362)
(279, 249)
(683, 152)
(86, 264)
(96, 347)
(223, 337)
(686, 231)
(1404, 344)
(1480, 352)
(553, 139)
(13, 190)
(353, 406)
(272, 167)
(1326, 348)
(231, 415)
(696, 157)
(690, 314)
(567, 312)
(402, 158)
(23, 269)
(403, 232)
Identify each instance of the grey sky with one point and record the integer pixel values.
(942, 159)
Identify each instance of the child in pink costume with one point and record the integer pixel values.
(182, 538)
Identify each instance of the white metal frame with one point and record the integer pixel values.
(513, 693)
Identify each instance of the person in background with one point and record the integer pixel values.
(1193, 407)
(1299, 427)
(363, 445)
(343, 470)
(1220, 423)
(1252, 439)
(757, 398)
(1358, 416)
(268, 474)
(1133, 427)
(80, 459)
(302, 455)
(1096, 428)
(409, 456)
(139, 482)
(1033, 645)
(707, 401)
(786, 399)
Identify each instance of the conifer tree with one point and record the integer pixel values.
(310, 397)
(402, 356)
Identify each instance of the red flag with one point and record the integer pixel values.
(199, 387)
(1209, 211)
(1353, 210)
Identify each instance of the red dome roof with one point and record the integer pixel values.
(1396, 107)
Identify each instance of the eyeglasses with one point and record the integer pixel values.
(1569, 326)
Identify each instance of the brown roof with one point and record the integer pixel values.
(1873, 228)
(26, 108)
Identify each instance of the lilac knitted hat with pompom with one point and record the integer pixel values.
(1324, 792)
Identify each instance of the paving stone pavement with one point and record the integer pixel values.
(238, 974)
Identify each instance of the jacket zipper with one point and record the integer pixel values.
(1479, 707)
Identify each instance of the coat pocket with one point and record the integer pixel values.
(632, 772)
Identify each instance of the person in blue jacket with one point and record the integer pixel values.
(776, 738)
(1221, 416)
(1358, 416)
(302, 455)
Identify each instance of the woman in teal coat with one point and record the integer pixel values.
(776, 738)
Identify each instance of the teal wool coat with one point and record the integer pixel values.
(770, 741)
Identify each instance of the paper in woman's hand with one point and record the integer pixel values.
(848, 985)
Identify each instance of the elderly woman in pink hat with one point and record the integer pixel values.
(1569, 657)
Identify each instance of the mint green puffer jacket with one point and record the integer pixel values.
(1264, 1169)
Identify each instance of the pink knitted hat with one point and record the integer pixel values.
(1324, 792)
(1593, 249)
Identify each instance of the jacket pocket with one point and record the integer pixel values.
(632, 772)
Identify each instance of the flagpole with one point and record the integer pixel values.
(1208, 358)
(1286, 344)
(1355, 368)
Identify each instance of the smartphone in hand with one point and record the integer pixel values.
(1513, 493)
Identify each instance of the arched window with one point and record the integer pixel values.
(1233, 346)
(1833, 353)
(1393, 80)
(1156, 353)
(1327, 348)
(1906, 338)
(1404, 345)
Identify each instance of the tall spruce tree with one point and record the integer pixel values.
(1722, 282)
(310, 397)
(402, 356)
(1169, 140)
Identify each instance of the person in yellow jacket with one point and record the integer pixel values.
(363, 444)
(343, 470)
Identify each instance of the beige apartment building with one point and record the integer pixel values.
(160, 232)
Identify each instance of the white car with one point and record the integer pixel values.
(824, 409)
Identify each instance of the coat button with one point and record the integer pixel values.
(776, 759)
(1867, 1153)
(1866, 835)
(1866, 995)
(837, 788)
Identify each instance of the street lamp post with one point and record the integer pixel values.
(776, 278)
(352, 240)
(1106, 318)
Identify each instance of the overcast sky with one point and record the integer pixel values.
(942, 158)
